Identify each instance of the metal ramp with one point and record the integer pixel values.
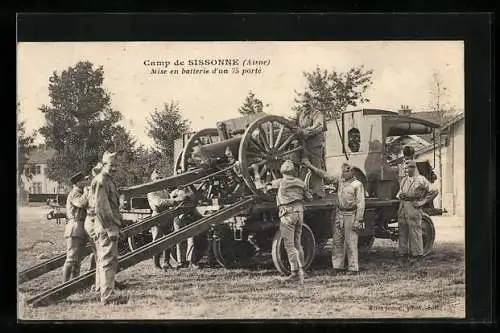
(147, 251)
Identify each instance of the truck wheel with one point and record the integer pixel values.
(231, 253)
(136, 241)
(280, 257)
(365, 243)
(428, 234)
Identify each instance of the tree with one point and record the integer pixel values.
(79, 121)
(165, 126)
(252, 105)
(333, 92)
(438, 96)
(25, 143)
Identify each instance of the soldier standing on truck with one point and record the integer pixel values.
(106, 228)
(414, 192)
(292, 193)
(160, 201)
(348, 220)
(311, 125)
(74, 231)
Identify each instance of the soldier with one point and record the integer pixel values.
(186, 255)
(159, 201)
(311, 124)
(89, 223)
(106, 229)
(348, 218)
(74, 231)
(414, 192)
(292, 193)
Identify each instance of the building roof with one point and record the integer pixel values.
(452, 121)
(41, 156)
(434, 116)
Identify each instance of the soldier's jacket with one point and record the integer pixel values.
(159, 201)
(107, 200)
(76, 204)
(76, 212)
(351, 194)
(291, 190)
(416, 189)
(313, 124)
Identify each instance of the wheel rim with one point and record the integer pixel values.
(136, 241)
(267, 143)
(280, 257)
(428, 234)
(200, 138)
(231, 253)
(178, 165)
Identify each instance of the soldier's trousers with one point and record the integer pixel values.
(410, 229)
(291, 232)
(157, 232)
(92, 238)
(74, 246)
(107, 254)
(345, 242)
(185, 249)
(317, 159)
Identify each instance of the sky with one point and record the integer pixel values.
(402, 75)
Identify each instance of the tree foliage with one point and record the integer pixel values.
(333, 92)
(251, 105)
(438, 99)
(25, 143)
(164, 126)
(79, 120)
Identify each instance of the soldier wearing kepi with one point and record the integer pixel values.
(74, 231)
(90, 219)
(106, 228)
(159, 201)
(414, 192)
(348, 218)
(292, 193)
(311, 124)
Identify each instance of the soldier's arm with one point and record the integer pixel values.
(156, 202)
(331, 178)
(79, 200)
(360, 201)
(428, 193)
(316, 127)
(102, 207)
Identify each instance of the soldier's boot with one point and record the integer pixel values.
(156, 260)
(294, 276)
(67, 270)
(302, 275)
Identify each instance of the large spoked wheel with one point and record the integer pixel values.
(266, 144)
(428, 234)
(280, 257)
(139, 240)
(200, 138)
(231, 253)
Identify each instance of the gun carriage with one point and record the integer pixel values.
(224, 168)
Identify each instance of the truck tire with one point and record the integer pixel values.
(428, 233)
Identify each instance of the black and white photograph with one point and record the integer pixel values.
(241, 180)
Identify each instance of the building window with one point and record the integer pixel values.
(38, 170)
(36, 188)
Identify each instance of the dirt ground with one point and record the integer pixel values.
(384, 289)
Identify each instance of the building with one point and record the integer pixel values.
(34, 178)
(448, 158)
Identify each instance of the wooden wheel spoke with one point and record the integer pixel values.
(280, 134)
(258, 154)
(257, 144)
(264, 139)
(287, 142)
(271, 135)
(274, 173)
(294, 150)
(263, 170)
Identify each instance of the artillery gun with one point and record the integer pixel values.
(223, 169)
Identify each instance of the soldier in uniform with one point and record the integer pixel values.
(74, 231)
(186, 255)
(414, 192)
(292, 193)
(159, 201)
(311, 125)
(106, 228)
(348, 218)
(89, 223)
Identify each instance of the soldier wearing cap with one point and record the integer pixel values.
(106, 229)
(414, 192)
(292, 193)
(159, 201)
(311, 125)
(89, 222)
(348, 218)
(74, 231)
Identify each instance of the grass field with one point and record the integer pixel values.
(434, 288)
